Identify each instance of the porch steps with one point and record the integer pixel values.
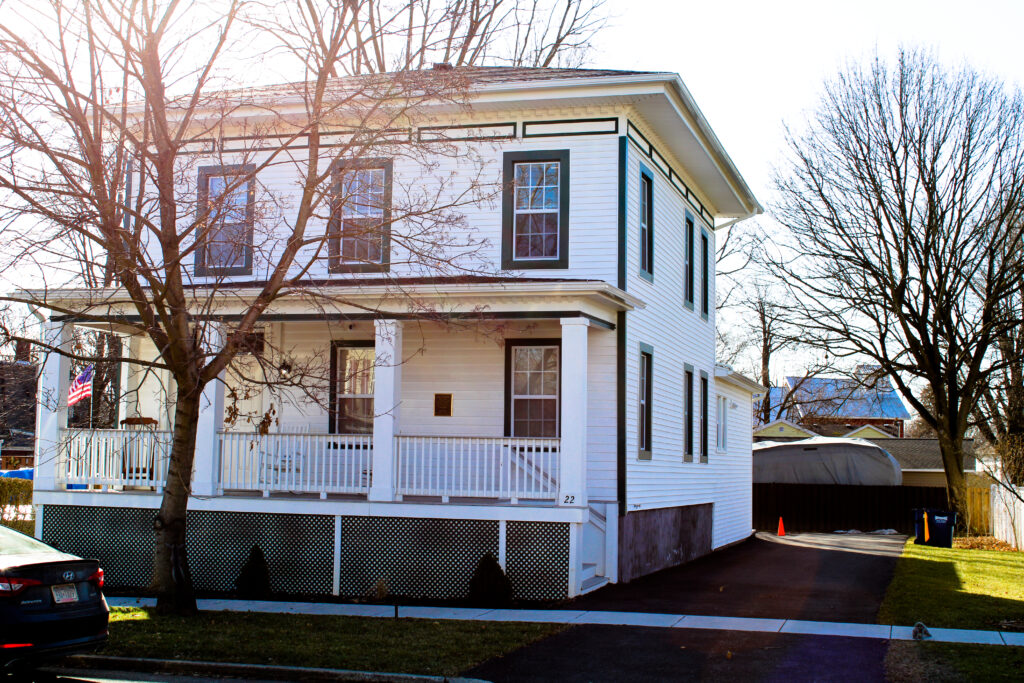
(592, 584)
(589, 571)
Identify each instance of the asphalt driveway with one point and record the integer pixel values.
(816, 577)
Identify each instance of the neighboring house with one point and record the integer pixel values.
(781, 430)
(596, 441)
(921, 459)
(841, 406)
(17, 409)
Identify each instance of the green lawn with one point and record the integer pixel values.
(957, 588)
(368, 644)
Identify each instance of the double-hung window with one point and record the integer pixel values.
(225, 228)
(704, 398)
(352, 387)
(722, 418)
(533, 404)
(644, 421)
(705, 274)
(688, 415)
(360, 227)
(688, 276)
(646, 224)
(535, 208)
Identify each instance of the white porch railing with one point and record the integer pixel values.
(477, 467)
(115, 457)
(297, 463)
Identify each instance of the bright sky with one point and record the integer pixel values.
(752, 64)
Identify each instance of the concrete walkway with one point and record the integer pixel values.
(590, 617)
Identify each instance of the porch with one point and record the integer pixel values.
(417, 413)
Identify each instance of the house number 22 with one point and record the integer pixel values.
(569, 500)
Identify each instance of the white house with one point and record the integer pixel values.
(564, 413)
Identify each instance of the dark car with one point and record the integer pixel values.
(51, 603)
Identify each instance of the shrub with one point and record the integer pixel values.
(253, 581)
(489, 586)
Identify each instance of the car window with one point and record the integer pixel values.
(14, 543)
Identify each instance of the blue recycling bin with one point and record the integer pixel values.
(940, 527)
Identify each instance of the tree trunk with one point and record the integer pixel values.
(956, 482)
(172, 580)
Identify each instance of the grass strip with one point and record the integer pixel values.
(955, 588)
(419, 646)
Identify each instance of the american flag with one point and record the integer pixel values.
(81, 387)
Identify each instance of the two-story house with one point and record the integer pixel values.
(564, 413)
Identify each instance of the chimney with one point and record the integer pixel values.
(23, 350)
(443, 66)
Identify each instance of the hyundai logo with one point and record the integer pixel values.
(69, 576)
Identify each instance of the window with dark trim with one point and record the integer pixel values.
(646, 224)
(226, 209)
(688, 248)
(646, 385)
(351, 389)
(705, 274)
(532, 387)
(688, 416)
(359, 230)
(535, 210)
(704, 417)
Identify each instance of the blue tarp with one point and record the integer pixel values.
(23, 473)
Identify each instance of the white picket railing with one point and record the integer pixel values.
(115, 457)
(297, 463)
(477, 467)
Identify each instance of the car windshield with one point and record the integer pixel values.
(14, 543)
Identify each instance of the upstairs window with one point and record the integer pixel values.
(646, 224)
(360, 227)
(535, 230)
(688, 276)
(705, 274)
(226, 208)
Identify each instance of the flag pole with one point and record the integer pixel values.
(91, 395)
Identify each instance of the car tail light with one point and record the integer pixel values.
(8, 646)
(97, 577)
(12, 585)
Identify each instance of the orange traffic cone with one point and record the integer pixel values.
(782, 529)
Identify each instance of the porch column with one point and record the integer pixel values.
(572, 477)
(387, 387)
(52, 416)
(206, 467)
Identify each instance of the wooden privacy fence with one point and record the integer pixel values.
(830, 507)
(979, 510)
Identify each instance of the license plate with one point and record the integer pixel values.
(65, 592)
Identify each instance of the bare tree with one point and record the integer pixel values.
(110, 109)
(902, 206)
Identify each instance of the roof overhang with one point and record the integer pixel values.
(724, 373)
(597, 300)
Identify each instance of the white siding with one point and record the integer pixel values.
(680, 336)
(421, 175)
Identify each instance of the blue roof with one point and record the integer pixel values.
(847, 398)
(774, 398)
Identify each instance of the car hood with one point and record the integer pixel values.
(9, 561)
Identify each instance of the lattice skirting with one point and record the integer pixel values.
(419, 558)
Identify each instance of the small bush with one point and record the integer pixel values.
(15, 493)
(489, 586)
(253, 581)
